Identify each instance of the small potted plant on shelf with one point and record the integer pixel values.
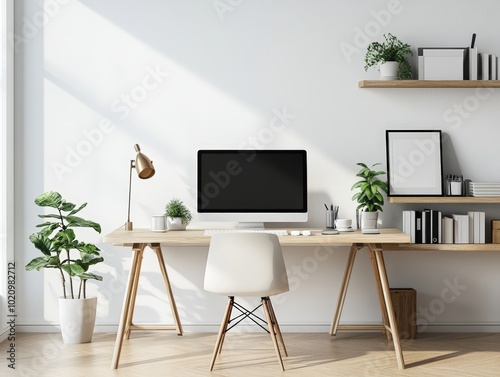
(391, 56)
(178, 215)
(369, 197)
(61, 250)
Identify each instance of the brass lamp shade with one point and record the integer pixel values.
(145, 169)
(143, 164)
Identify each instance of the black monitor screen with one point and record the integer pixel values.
(252, 181)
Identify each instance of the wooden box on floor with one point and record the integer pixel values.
(404, 301)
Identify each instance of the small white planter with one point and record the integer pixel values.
(77, 319)
(389, 70)
(369, 220)
(175, 223)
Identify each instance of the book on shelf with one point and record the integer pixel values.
(473, 63)
(429, 226)
(436, 236)
(460, 228)
(476, 227)
(493, 67)
(485, 66)
(447, 230)
(423, 226)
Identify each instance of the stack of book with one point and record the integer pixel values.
(431, 227)
(484, 189)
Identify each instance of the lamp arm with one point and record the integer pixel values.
(128, 224)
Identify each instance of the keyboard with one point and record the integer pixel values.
(278, 232)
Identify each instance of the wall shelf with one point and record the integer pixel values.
(443, 200)
(489, 247)
(429, 84)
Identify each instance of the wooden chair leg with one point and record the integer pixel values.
(222, 331)
(267, 310)
(277, 327)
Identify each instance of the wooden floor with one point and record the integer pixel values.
(249, 354)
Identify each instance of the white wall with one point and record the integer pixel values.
(95, 77)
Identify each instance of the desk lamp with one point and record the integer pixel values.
(145, 170)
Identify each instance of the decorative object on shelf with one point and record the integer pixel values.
(145, 170)
(392, 51)
(443, 63)
(178, 215)
(414, 163)
(370, 199)
(62, 251)
(455, 185)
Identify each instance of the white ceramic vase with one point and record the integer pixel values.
(175, 223)
(369, 220)
(77, 319)
(389, 70)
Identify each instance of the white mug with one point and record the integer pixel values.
(158, 223)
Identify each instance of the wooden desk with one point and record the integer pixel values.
(138, 239)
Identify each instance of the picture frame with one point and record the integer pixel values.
(414, 163)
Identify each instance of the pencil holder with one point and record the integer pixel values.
(331, 216)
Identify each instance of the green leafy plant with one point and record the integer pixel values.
(58, 244)
(392, 49)
(176, 208)
(370, 188)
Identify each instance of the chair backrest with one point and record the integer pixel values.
(245, 264)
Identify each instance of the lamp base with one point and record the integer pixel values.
(128, 225)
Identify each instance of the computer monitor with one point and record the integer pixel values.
(252, 186)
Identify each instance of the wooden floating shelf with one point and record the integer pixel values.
(490, 247)
(443, 199)
(429, 84)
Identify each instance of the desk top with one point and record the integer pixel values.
(196, 237)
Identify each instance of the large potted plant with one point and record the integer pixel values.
(178, 215)
(369, 197)
(390, 56)
(61, 250)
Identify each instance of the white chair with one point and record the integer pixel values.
(247, 264)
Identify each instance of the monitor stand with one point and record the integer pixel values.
(251, 225)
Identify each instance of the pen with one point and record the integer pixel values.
(326, 206)
(473, 40)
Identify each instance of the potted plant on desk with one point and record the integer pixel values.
(60, 250)
(178, 215)
(390, 55)
(369, 198)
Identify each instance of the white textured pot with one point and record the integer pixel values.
(77, 319)
(389, 70)
(369, 220)
(175, 223)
